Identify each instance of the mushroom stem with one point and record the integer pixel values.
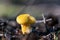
(26, 29)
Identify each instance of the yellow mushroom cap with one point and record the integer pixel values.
(32, 20)
(25, 19)
(22, 19)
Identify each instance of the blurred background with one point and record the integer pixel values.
(12, 8)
